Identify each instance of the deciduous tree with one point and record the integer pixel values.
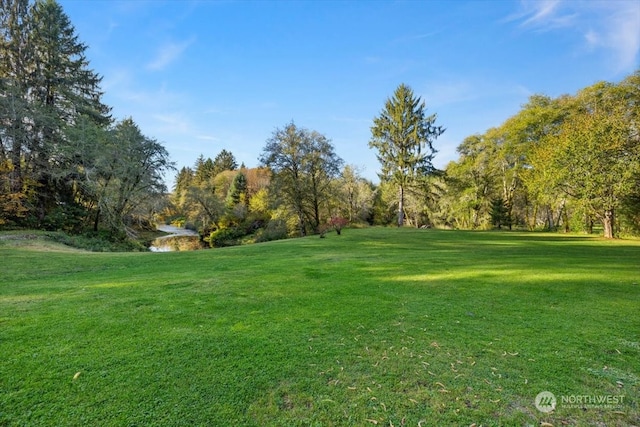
(597, 152)
(302, 163)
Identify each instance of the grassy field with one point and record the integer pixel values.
(378, 326)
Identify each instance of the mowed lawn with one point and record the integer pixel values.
(379, 326)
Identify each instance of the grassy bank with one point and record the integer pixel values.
(377, 326)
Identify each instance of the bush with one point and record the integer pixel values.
(65, 217)
(226, 237)
(276, 229)
(338, 223)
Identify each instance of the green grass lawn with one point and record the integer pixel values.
(374, 327)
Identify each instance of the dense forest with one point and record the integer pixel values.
(570, 163)
(64, 162)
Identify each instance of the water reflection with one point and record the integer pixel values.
(180, 239)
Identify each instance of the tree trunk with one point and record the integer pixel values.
(564, 216)
(589, 223)
(534, 219)
(303, 231)
(401, 207)
(316, 212)
(475, 218)
(96, 221)
(608, 222)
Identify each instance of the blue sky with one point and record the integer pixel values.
(202, 76)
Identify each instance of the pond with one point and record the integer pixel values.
(179, 239)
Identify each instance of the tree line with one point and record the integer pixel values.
(565, 163)
(299, 188)
(64, 162)
(569, 163)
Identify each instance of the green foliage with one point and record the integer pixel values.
(596, 152)
(226, 237)
(499, 213)
(276, 229)
(69, 218)
(237, 195)
(203, 207)
(63, 164)
(355, 195)
(303, 164)
(403, 136)
(473, 180)
(556, 164)
(432, 327)
(383, 210)
(224, 161)
(630, 212)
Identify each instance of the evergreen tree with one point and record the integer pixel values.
(403, 136)
(499, 213)
(46, 86)
(184, 179)
(224, 161)
(237, 190)
(204, 170)
(16, 63)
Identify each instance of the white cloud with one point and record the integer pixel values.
(449, 92)
(441, 93)
(541, 15)
(168, 53)
(546, 15)
(621, 34)
(612, 26)
(415, 37)
(173, 122)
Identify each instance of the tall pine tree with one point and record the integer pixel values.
(16, 63)
(46, 86)
(64, 88)
(403, 135)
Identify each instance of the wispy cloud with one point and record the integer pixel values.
(443, 93)
(618, 32)
(542, 15)
(173, 122)
(207, 138)
(450, 92)
(415, 37)
(168, 53)
(612, 26)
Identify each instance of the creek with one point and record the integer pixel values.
(179, 239)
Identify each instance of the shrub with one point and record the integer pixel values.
(225, 237)
(276, 229)
(338, 223)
